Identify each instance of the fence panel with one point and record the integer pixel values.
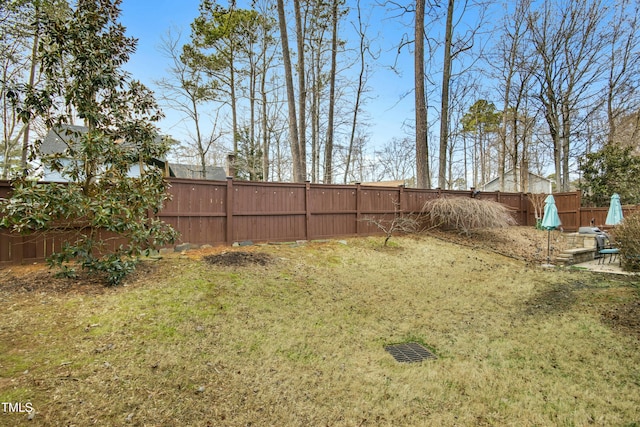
(268, 211)
(519, 205)
(568, 205)
(197, 209)
(598, 216)
(332, 210)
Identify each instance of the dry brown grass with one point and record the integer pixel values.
(300, 341)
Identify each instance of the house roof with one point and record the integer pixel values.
(215, 173)
(395, 183)
(60, 138)
(510, 171)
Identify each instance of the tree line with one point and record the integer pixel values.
(498, 88)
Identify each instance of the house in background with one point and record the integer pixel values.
(179, 170)
(535, 183)
(394, 183)
(57, 141)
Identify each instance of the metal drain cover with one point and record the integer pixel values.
(409, 352)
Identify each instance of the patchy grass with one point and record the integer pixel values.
(299, 340)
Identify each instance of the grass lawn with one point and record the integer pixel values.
(299, 341)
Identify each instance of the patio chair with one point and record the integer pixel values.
(605, 247)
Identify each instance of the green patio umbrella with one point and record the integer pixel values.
(614, 216)
(550, 221)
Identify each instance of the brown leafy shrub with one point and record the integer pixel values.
(627, 236)
(466, 214)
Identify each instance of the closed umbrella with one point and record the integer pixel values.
(614, 216)
(550, 221)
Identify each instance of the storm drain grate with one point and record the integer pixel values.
(409, 352)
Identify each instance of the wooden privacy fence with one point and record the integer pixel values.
(223, 212)
(217, 212)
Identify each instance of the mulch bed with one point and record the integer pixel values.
(237, 259)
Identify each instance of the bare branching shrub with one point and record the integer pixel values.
(466, 214)
(537, 200)
(627, 237)
(400, 223)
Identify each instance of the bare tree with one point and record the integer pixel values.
(514, 79)
(423, 175)
(13, 53)
(296, 153)
(363, 50)
(398, 159)
(187, 90)
(31, 82)
(21, 27)
(302, 90)
(444, 105)
(623, 64)
(569, 50)
(461, 37)
(266, 60)
(328, 153)
(318, 14)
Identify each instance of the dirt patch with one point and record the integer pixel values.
(619, 305)
(237, 259)
(624, 317)
(557, 299)
(39, 278)
(523, 243)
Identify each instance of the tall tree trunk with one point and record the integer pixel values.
(264, 126)
(315, 118)
(302, 90)
(502, 153)
(328, 148)
(201, 150)
(254, 146)
(465, 160)
(316, 73)
(298, 169)
(32, 79)
(234, 109)
(444, 110)
(566, 132)
(423, 176)
(361, 83)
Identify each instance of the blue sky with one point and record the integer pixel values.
(148, 21)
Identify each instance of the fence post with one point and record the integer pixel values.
(307, 207)
(17, 248)
(358, 207)
(578, 208)
(401, 199)
(229, 236)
